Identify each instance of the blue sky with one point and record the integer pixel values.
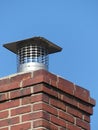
(71, 24)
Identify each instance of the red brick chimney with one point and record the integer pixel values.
(43, 101)
(40, 100)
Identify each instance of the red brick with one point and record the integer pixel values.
(53, 126)
(26, 100)
(92, 101)
(4, 114)
(40, 72)
(53, 81)
(66, 86)
(44, 123)
(33, 81)
(9, 104)
(82, 124)
(86, 108)
(72, 127)
(81, 93)
(46, 77)
(28, 82)
(58, 104)
(45, 107)
(74, 112)
(86, 118)
(39, 97)
(36, 115)
(3, 97)
(21, 110)
(4, 128)
(58, 121)
(61, 128)
(13, 103)
(66, 116)
(20, 77)
(4, 81)
(10, 86)
(41, 123)
(9, 121)
(20, 93)
(24, 126)
(38, 88)
(51, 78)
(67, 99)
(44, 88)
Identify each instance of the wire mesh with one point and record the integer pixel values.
(32, 53)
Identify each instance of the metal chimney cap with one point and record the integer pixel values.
(51, 47)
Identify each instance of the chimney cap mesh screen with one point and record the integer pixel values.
(32, 53)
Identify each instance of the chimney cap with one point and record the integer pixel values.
(52, 48)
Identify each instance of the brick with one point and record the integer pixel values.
(9, 104)
(66, 116)
(51, 79)
(10, 86)
(81, 93)
(3, 97)
(36, 115)
(38, 88)
(46, 77)
(46, 89)
(44, 123)
(4, 81)
(13, 103)
(82, 124)
(28, 82)
(65, 86)
(92, 101)
(40, 72)
(20, 93)
(74, 112)
(61, 128)
(4, 114)
(24, 126)
(9, 121)
(45, 107)
(68, 99)
(35, 80)
(21, 77)
(26, 100)
(72, 127)
(86, 118)
(4, 128)
(85, 107)
(50, 91)
(53, 126)
(21, 110)
(58, 121)
(39, 97)
(58, 104)
(41, 123)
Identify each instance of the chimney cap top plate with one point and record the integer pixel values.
(51, 47)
